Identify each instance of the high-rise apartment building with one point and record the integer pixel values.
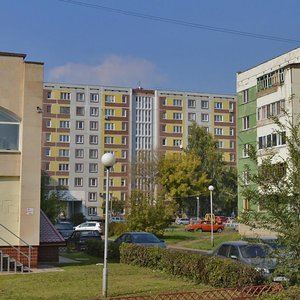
(265, 91)
(81, 123)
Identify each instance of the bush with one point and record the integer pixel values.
(117, 228)
(96, 248)
(213, 271)
(292, 293)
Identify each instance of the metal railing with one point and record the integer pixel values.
(28, 256)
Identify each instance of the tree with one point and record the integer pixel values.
(221, 176)
(274, 194)
(147, 215)
(181, 177)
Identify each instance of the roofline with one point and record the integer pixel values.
(13, 54)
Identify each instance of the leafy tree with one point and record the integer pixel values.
(274, 194)
(147, 215)
(181, 177)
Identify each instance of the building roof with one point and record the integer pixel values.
(48, 233)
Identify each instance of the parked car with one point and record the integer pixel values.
(256, 255)
(182, 221)
(78, 238)
(205, 226)
(64, 228)
(140, 238)
(116, 220)
(90, 225)
(221, 219)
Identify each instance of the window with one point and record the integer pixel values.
(246, 149)
(177, 116)
(79, 139)
(94, 111)
(64, 138)
(48, 137)
(245, 96)
(163, 127)
(48, 109)
(231, 106)
(64, 110)
(110, 99)
(93, 153)
(232, 157)
(49, 95)
(63, 181)
(123, 182)
(124, 154)
(48, 123)
(79, 125)
(231, 118)
(79, 111)
(204, 117)
(64, 124)
(246, 178)
(269, 110)
(232, 144)
(47, 152)
(109, 112)
(124, 140)
(93, 182)
(220, 144)
(94, 98)
(109, 126)
(124, 126)
(65, 96)
(79, 153)
(124, 98)
(274, 78)
(93, 168)
(108, 140)
(63, 153)
(78, 168)
(164, 142)
(191, 116)
(93, 139)
(9, 131)
(177, 129)
(245, 122)
(47, 166)
(78, 181)
(204, 104)
(191, 103)
(111, 182)
(177, 102)
(272, 140)
(164, 115)
(124, 112)
(231, 131)
(123, 168)
(218, 105)
(92, 196)
(80, 97)
(177, 143)
(93, 125)
(219, 131)
(218, 118)
(92, 211)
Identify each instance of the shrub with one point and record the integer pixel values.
(292, 293)
(199, 268)
(117, 228)
(96, 248)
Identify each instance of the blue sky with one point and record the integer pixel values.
(92, 45)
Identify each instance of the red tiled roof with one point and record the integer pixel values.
(48, 233)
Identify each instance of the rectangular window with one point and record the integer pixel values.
(177, 102)
(94, 98)
(123, 182)
(231, 118)
(191, 103)
(123, 168)
(246, 149)
(93, 168)
(49, 95)
(124, 154)
(64, 124)
(218, 105)
(177, 116)
(232, 157)
(220, 144)
(109, 126)
(79, 111)
(65, 96)
(80, 125)
(204, 104)
(79, 153)
(124, 126)
(63, 153)
(246, 96)
(93, 139)
(80, 97)
(93, 153)
(94, 111)
(48, 137)
(93, 182)
(64, 110)
(92, 211)
(92, 196)
(64, 138)
(109, 112)
(63, 181)
(48, 123)
(124, 140)
(78, 181)
(110, 99)
(47, 152)
(177, 129)
(79, 139)
(231, 131)
(124, 98)
(48, 109)
(93, 125)
(164, 142)
(232, 144)
(177, 143)
(124, 112)
(79, 168)
(191, 116)
(204, 117)
(218, 118)
(246, 177)
(218, 131)
(246, 123)
(108, 140)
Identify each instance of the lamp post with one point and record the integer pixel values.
(197, 214)
(108, 160)
(211, 188)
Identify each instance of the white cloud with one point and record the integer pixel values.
(113, 71)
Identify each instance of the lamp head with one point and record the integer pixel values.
(211, 188)
(108, 160)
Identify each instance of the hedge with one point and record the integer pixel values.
(216, 272)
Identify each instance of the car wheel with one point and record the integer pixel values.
(219, 230)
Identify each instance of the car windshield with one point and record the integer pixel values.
(252, 251)
(145, 238)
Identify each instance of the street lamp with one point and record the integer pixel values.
(211, 188)
(197, 214)
(108, 160)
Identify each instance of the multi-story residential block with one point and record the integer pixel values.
(265, 91)
(81, 123)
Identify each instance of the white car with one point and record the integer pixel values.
(116, 220)
(182, 221)
(90, 225)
